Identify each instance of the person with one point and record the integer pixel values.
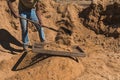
(28, 9)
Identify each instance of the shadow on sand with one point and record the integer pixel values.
(27, 60)
(6, 39)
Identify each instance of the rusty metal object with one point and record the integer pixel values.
(39, 48)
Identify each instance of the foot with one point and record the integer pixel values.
(44, 42)
(25, 48)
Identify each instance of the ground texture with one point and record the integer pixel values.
(95, 29)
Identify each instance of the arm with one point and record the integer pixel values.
(10, 5)
(38, 12)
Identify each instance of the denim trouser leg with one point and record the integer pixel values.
(40, 32)
(31, 14)
(24, 28)
(38, 27)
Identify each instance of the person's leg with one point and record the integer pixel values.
(24, 28)
(39, 28)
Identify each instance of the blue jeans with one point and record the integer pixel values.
(31, 14)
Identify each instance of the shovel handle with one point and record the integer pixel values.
(28, 20)
(38, 24)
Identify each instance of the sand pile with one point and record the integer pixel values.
(102, 20)
(95, 29)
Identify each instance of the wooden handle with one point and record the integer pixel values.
(39, 24)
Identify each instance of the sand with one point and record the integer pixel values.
(96, 31)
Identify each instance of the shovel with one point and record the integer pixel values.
(66, 30)
(39, 24)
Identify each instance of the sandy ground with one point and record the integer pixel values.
(96, 30)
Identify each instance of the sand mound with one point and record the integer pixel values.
(95, 29)
(102, 20)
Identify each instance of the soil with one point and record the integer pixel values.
(94, 28)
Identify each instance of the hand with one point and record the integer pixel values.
(40, 23)
(16, 15)
(43, 25)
